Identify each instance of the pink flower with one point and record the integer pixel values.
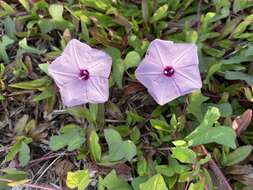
(169, 70)
(81, 73)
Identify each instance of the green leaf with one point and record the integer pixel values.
(93, 108)
(6, 41)
(224, 108)
(205, 133)
(81, 112)
(242, 26)
(57, 142)
(208, 179)
(221, 135)
(46, 94)
(165, 170)
(57, 21)
(145, 11)
(95, 147)
(137, 181)
(47, 25)
(2, 70)
(24, 154)
(214, 52)
(119, 149)
(25, 4)
(160, 13)
(160, 125)
(179, 143)
(44, 68)
(35, 84)
(200, 185)
(212, 115)
(241, 4)
(112, 138)
(9, 27)
(101, 5)
(79, 179)
(131, 60)
(142, 167)
(56, 11)
(71, 136)
(236, 75)
(195, 102)
(113, 182)
(129, 149)
(11, 174)
(118, 72)
(21, 147)
(117, 65)
(135, 135)
(1, 96)
(156, 182)
(76, 142)
(8, 8)
(184, 155)
(85, 31)
(14, 150)
(25, 48)
(238, 155)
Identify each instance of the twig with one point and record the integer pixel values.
(187, 185)
(199, 14)
(115, 121)
(47, 157)
(52, 163)
(5, 180)
(215, 96)
(36, 161)
(28, 185)
(39, 187)
(5, 148)
(216, 170)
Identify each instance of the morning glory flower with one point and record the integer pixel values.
(169, 70)
(81, 73)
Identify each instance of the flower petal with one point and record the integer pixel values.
(62, 70)
(78, 52)
(188, 79)
(186, 55)
(97, 90)
(147, 72)
(148, 66)
(158, 50)
(101, 66)
(74, 93)
(164, 90)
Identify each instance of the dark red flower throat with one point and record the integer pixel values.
(168, 71)
(84, 74)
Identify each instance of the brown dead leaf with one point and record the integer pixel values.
(132, 88)
(121, 20)
(122, 170)
(239, 169)
(62, 168)
(67, 35)
(114, 111)
(39, 132)
(245, 179)
(241, 123)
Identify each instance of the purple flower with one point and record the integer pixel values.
(169, 70)
(81, 73)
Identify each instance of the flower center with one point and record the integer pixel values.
(168, 71)
(84, 74)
